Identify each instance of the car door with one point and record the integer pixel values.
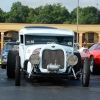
(96, 54)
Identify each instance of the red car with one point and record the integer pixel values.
(94, 53)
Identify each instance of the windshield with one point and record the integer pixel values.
(62, 40)
(92, 47)
(9, 46)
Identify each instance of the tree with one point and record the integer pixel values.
(59, 14)
(51, 14)
(2, 18)
(88, 15)
(31, 15)
(73, 15)
(18, 13)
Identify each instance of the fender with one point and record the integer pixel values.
(83, 55)
(78, 66)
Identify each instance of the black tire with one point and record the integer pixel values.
(93, 68)
(11, 64)
(17, 71)
(86, 73)
(3, 66)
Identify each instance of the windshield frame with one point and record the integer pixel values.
(46, 37)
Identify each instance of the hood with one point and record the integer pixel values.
(30, 49)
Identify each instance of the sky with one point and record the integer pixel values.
(69, 4)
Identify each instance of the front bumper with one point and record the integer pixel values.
(4, 62)
(53, 75)
(49, 75)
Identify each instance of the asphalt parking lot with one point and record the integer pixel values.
(48, 89)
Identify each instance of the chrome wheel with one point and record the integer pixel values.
(91, 65)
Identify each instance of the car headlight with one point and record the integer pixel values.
(72, 60)
(34, 59)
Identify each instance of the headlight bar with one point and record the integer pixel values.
(34, 59)
(72, 60)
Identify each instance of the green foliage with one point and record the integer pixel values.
(2, 17)
(88, 15)
(49, 14)
(30, 17)
(18, 13)
(73, 14)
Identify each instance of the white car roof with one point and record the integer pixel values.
(45, 30)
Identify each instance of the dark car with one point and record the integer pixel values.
(94, 53)
(7, 46)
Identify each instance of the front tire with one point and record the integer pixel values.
(3, 66)
(86, 73)
(93, 68)
(17, 71)
(11, 63)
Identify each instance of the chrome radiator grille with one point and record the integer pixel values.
(52, 57)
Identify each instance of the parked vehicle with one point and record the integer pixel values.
(85, 50)
(94, 53)
(7, 46)
(0, 60)
(47, 52)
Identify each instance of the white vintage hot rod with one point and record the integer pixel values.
(47, 52)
